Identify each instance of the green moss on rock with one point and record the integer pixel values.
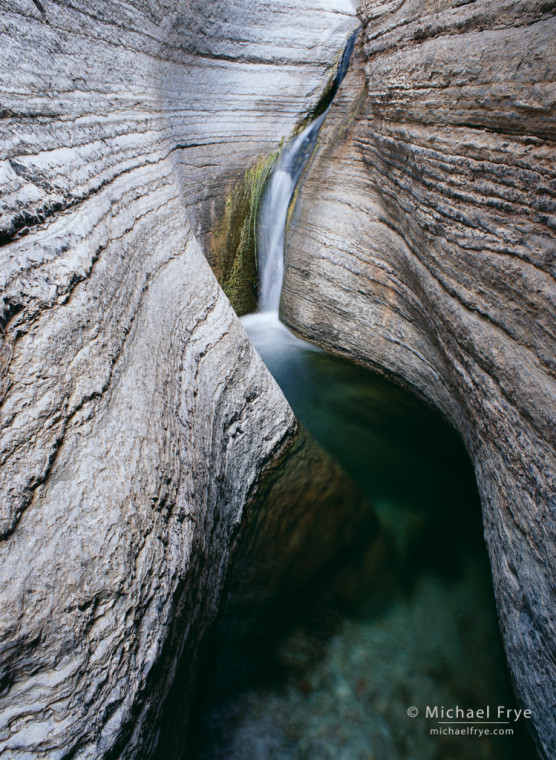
(234, 240)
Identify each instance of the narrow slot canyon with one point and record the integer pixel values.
(277, 380)
(402, 613)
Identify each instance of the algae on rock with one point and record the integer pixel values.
(234, 241)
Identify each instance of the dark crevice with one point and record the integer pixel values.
(328, 95)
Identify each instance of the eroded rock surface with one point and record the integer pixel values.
(136, 417)
(422, 245)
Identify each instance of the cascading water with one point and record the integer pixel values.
(274, 212)
(278, 195)
(264, 328)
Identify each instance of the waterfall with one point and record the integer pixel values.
(274, 212)
(278, 195)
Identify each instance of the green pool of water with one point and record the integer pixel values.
(414, 628)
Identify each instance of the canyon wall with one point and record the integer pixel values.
(136, 417)
(422, 246)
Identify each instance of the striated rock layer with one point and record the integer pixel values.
(422, 246)
(136, 418)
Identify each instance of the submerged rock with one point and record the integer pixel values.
(307, 514)
(136, 416)
(422, 246)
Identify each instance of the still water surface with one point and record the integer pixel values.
(363, 647)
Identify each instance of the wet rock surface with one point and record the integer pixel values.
(136, 417)
(422, 246)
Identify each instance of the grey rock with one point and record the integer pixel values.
(422, 246)
(136, 417)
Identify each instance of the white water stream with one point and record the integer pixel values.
(277, 197)
(274, 212)
(267, 333)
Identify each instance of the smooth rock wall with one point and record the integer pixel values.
(136, 417)
(422, 246)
